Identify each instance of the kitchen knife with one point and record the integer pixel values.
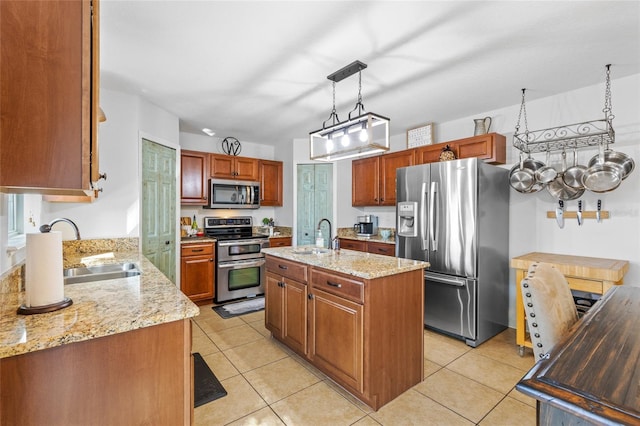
(560, 214)
(579, 214)
(598, 211)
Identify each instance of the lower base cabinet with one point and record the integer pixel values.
(139, 377)
(365, 334)
(197, 271)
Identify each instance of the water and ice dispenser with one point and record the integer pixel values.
(407, 225)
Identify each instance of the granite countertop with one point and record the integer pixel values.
(191, 240)
(357, 263)
(374, 238)
(99, 308)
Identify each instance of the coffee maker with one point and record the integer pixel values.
(367, 226)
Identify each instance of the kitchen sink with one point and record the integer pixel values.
(100, 273)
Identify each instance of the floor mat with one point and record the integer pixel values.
(231, 310)
(206, 387)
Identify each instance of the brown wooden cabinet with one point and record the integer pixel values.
(365, 334)
(231, 167)
(376, 247)
(373, 179)
(279, 241)
(197, 278)
(490, 147)
(270, 183)
(286, 303)
(194, 177)
(49, 104)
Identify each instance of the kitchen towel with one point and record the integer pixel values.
(44, 284)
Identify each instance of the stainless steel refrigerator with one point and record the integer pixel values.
(455, 215)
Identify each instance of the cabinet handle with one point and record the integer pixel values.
(310, 296)
(283, 267)
(193, 250)
(211, 260)
(334, 284)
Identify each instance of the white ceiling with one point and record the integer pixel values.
(256, 70)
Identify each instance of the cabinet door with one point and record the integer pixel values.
(47, 108)
(273, 304)
(336, 338)
(196, 277)
(194, 170)
(294, 330)
(270, 183)
(279, 242)
(365, 178)
(246, 169)
(222, 166)
(388, 165)
(490, 148)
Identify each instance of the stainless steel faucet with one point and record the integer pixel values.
(47, 227)
(329, 223)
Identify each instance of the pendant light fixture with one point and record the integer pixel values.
(365, 134)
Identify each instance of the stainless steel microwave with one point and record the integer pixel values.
(233, 194)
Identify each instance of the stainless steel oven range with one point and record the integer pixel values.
(240, 265)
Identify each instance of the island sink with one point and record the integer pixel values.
(100, 273)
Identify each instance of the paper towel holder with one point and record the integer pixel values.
(26, 310)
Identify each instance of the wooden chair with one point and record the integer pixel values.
(548, 305)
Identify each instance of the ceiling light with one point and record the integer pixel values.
(208, 131)
(373, 129)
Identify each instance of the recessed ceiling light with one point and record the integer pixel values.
(208, 131)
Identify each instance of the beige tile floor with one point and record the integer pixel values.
(267, 384)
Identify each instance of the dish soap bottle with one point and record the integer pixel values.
(194, 226)
(319, 239)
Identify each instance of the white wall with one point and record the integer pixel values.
(116, 212)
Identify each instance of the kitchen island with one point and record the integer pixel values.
(120, 354)
(358, 317)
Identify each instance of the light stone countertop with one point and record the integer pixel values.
(357, 263)
(99, 308)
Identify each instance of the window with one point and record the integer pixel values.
(15, 212)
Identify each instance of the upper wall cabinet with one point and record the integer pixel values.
(373, 179)
(49, 103)
(231, 167)
(490, 147)
(270, 183)
(194, 176)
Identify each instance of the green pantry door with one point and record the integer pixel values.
(158, 227)
(315, 201)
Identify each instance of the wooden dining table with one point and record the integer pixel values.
(592, 376)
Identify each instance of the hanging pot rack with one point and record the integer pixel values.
(572, 136)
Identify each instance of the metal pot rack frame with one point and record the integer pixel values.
(572, 136)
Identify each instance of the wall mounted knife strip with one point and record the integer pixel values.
(586, 214)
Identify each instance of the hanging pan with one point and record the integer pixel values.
(546, 173)
(522, 175)
(602, 176)
(615, 159)
(558, 189)
(573, 175)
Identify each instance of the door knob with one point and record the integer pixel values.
(167, 242)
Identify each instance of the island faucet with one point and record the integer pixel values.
(47, 227)
(329, 223)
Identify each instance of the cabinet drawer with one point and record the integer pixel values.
(381, 248)
(280, 242)
(588, 286)
(353, 244)
(196, 249)
(341, 286)
(286, 268)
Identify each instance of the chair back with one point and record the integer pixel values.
(548, 305)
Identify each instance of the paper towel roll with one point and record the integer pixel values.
(44, 283)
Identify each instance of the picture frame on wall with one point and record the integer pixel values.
(419, 136)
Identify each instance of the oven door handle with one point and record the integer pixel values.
(240, 243)
(238, 264)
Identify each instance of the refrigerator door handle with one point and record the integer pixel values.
(424, 243)
(453, 281)
(433, 216)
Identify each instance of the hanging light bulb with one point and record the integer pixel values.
(345, 140)
(329, 144)
(364, 135)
